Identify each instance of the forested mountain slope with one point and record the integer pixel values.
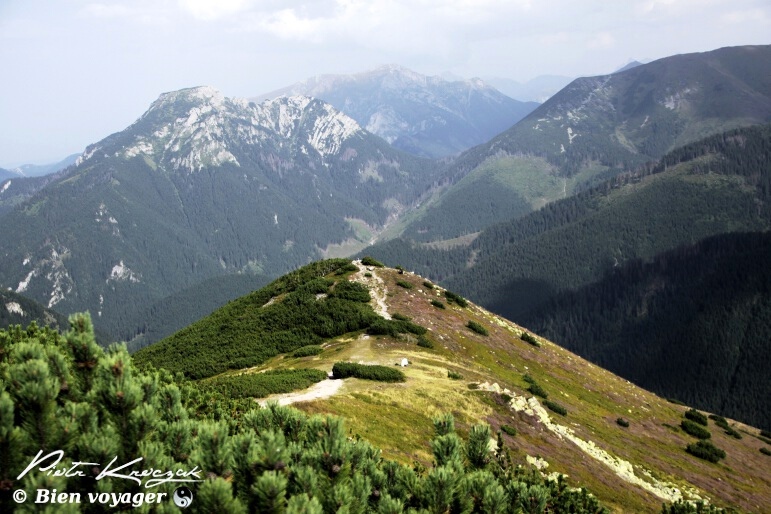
(595, 128)
(16, 309)
(693, 324)
(200, 186)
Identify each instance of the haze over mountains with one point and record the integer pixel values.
(426, 116)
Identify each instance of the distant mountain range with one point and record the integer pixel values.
(199, 186)
(37, 170)
(594, 129)
(425, 116)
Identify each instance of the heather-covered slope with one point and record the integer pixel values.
(553, 408)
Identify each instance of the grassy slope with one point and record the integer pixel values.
(397, 417)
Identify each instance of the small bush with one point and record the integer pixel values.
(476, 327)
(675, 401)
(409, 326)
(393, 327)
(696, 417)
(509, 430)
(456, 299)
(622, 422)
(473, 386)
(733, 433)
(425, 342)
(529, 339)
(765, 451)
(427, 284)
(705, 450)
(368, 274)
(719, 420)
(764, 439)
(454, 375)
(367, 372)
(400, 317)
(766, 434)
(307, 351)
(353, 291)
(348, 268)
(404, 284)
(556, 407)
(537, 390)
(260, 385)
(695, 429)
(505, 397)
(527, 378)
(370, 261)
(399, 269)
(438, 304)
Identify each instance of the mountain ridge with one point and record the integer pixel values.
(475, 363)
(598, 127)
(199, 186)
(423, 115)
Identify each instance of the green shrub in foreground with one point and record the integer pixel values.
(371, 261)
(438, 304)
(456, 299)
(696, 417)
(688, 507)
(260, 385)
(556, 407)
(307, 351)
(508, 429)
(705, 450)
(367, 372)
(353, 291)
(537, 390)
(529, 339)
(348, 268)
(424, 342)
(394, 327)
(695, 429)
(476, 327)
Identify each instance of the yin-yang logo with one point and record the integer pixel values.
(183, 497)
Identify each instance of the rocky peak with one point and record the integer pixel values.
(198, 127)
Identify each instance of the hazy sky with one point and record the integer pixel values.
(75, 71)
